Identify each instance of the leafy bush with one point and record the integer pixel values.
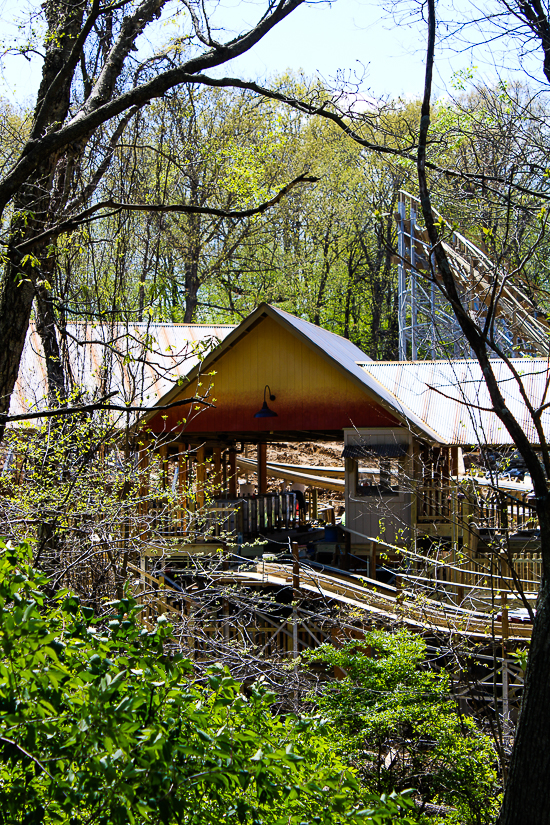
(397, 722)
(98, 725)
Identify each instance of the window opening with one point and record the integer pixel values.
(378, 476)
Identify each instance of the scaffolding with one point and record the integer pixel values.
(428, 328)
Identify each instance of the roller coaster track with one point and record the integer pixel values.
(376, 601)
(484, 286)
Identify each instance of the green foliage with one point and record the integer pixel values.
(98, 724)
(397, 722)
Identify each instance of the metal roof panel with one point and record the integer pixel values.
(452, 398)
(143, 360)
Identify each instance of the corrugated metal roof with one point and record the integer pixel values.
(140, 360)
(447, 395)
(352, 359)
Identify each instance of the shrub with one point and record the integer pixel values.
(396, 721)
(98, 725)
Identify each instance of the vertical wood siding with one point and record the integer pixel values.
(311, 393)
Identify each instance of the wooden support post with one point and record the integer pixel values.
(200, 478)
(161, 597)
(232, 468)
(218, 479)
(163, 452)
(142, 580)
(226, 620)
(415, 475)
(505, 681)
(347, 549)
(294, 632)
(262, 469)
(453, 481)
(191, 634)
(295, 596)
(295, 570)
(182, 485)
(315, 504)
(143, 507)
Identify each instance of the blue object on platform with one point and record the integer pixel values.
(331, 532)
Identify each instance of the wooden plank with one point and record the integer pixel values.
(232, 473)
(200, 477)
(182, 551)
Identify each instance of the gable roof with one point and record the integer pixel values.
(335, 346)
(448, 395)
(143, 360)
(439, 400)
(338, 351)
(329, 344)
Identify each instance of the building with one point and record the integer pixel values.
(417, 437)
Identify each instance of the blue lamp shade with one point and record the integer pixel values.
(265, 412)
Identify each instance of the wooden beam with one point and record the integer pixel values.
(163, 451)
(232, 471)
(182, 485)
(200, 478)
(218, 476)
(262, 469)
(292, 475)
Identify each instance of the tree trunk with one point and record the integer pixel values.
(192, 276)
(16, 296)
(191, 292)
(46, 328)
(525, 796)
(32, 206)
(324, 278)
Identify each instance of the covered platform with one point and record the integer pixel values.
(275, 379)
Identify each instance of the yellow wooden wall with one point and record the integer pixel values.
(311, 393)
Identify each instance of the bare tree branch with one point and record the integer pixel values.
(101, 405)
(87, 215)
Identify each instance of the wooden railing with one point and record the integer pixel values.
(477, 508)
(248, 516)
(499, 510)
(434, 502)
(253, 515)
(482, 573)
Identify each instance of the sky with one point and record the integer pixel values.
(346, 37)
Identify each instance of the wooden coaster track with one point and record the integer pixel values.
(376, 601)
(484, 286)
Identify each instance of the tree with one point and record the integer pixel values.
(529, 23)
(528, 775)
(396, 720)
(214, 149)
(94, 81)
(324, 254)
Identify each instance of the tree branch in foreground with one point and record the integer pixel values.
(88, 215)
(344, 122)
(101, 405)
